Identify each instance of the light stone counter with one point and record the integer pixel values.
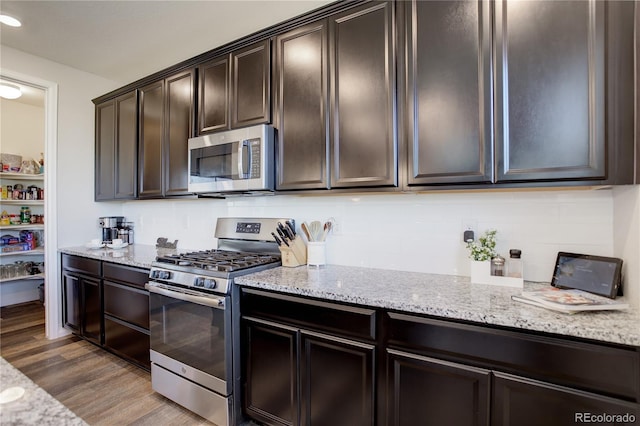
(35, 407)
(444, 296)
(137, 255)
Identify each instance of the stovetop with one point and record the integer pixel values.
(217, 260)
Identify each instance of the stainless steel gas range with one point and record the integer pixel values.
(195, 317)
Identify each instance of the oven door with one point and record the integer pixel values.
(191, 335)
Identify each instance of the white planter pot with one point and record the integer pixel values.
(480, 271)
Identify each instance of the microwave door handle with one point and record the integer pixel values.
(243, 152)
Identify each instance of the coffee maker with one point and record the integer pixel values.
(110, 226)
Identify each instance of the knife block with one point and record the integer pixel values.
(294, 255)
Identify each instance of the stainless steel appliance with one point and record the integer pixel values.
(110, 226)
(238, 161)
(194, 317)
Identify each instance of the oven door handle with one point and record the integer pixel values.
(211, 301)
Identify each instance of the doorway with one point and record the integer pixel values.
(48, 92)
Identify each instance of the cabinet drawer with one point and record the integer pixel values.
(134, 276)
(310, 314)
(81, 264)
(127, 341)
(127, 303)
(604, 369)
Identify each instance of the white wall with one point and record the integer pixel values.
(21, 129)
(415, 232)
(626, 208)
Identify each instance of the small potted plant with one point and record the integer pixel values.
(481, 252)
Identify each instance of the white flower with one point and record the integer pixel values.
(484, 248)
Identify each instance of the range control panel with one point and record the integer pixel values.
(248, 228)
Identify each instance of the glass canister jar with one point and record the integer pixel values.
(497, 266)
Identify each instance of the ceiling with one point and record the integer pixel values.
(124, 41)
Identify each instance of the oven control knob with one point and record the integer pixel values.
(198, 282)
(210, 283)
(164, 275)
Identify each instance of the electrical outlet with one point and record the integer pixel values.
(469, 225)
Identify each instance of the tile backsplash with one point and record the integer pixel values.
(412, 232)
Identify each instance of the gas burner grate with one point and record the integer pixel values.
(219, 260)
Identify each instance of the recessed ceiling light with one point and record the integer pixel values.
(10, 91)
(10, 20)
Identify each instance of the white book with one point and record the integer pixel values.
(568, 301)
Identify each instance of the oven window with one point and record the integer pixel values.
(189, 333)
(218, 162)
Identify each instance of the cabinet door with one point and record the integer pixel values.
(105, 142)
(71, 313)
(436, 392)
(251, 85)
(448, 92)
(301, 99)
(363, 126)
(271, 387)
(150, 158)
(549, 90)
(126, 146)
(179, 128)
(523, 402)
(127, 340)
(337, 381)
(213, 103)
(91, 308)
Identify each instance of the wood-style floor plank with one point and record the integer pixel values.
(96, 385)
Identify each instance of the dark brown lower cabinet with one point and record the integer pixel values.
(128, 341)
(429, 391)
(271, 393)
(524, 402)
(297, 375)
(126, 313)
(108, 305)
(82, 297)
(446, 372)
(336, 381)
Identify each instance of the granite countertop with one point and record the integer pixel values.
(35, 407)
(138, 255)
(445, 296)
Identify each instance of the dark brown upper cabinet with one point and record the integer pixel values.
(213, 101)
(550, 90)
(363, 137)
(235, 89)
(301, 93)
(166, 124)
(116, 148)
(448, 91)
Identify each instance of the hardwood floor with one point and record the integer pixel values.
(97, 386)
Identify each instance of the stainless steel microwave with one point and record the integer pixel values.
(237, 161)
